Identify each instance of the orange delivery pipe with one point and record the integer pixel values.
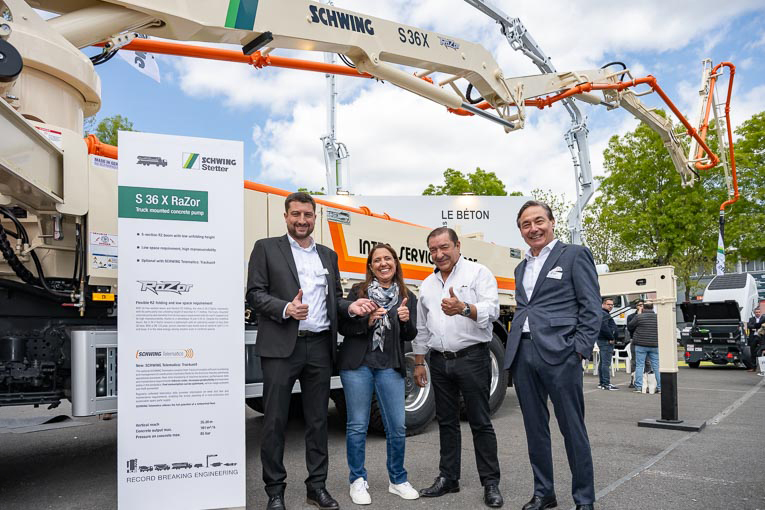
(257, 59)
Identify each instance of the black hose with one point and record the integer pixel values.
(346, 61)
(28, 289)
(20, 230)
(76, 272)
(616, 63)
(467, 95)
(18, 267)
(10, 256)
(102, 58)
(83, 255)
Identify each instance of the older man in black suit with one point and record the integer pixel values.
(555, 326)
(294, 287)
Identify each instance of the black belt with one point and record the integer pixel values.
(303, 333)
(526, 335)
(462, 352)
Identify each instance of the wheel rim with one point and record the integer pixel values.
(494, 373)
(415, 397)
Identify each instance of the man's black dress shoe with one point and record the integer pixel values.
(585, 507)
(276, 502)
(540, 503)
(320, 498)
(492, 497)
(440, 487)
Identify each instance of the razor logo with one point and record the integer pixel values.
(157, 287)
(448, 43)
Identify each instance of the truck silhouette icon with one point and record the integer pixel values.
(151, 160)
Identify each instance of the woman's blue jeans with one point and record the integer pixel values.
(388, 385)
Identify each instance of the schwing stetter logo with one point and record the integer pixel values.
(164, 286)
(197, 161)
(191, 160)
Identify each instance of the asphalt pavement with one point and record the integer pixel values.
(721, 467)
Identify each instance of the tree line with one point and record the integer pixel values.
(643, 217)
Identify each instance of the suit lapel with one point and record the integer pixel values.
(324, 257)
(284, 244)
(552, 258)
(520, 289)
(330, 276)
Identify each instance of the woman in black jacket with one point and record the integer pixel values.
(372, 361)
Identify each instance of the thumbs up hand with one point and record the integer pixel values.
(452, 305)
(296, 309)
(403, 311)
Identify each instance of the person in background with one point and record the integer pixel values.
(645, 333)
(754, 324)
(638, 310)
(371, 362)
(760, 349)
(606, 338)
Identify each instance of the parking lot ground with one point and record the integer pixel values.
(721, 467)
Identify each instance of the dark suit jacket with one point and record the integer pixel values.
(357, 334)
(608, 329)
(754, 324)
(273, 282)
(564, 314)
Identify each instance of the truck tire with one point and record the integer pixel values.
(694, 364)
(420, 403)
(747, 358)
(499, 376)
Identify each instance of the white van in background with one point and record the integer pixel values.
(717, 333)
(739, 287)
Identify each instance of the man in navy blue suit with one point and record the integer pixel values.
(556, 324)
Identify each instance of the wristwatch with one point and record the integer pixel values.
(466, 311)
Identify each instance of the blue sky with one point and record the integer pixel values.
(400, 142)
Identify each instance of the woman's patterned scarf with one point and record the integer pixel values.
(385, 298)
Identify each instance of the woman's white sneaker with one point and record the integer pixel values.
(359, 493)
(405, 490)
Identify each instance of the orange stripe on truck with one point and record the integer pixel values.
(351, 264)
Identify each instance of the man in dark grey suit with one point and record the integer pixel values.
(294, 287)
(556, 324)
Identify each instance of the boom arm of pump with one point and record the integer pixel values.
(664, 128)
(373, 44)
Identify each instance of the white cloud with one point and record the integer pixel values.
(745, 105)
(399, 142)
(407, 144)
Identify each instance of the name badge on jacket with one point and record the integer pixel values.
(556, 273)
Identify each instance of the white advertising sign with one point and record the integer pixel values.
(181, 438)
(494, 217)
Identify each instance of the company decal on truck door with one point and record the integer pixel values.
(351, 264)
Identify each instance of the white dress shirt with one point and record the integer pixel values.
(313, 281)
(473, 284)
(531, 274)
